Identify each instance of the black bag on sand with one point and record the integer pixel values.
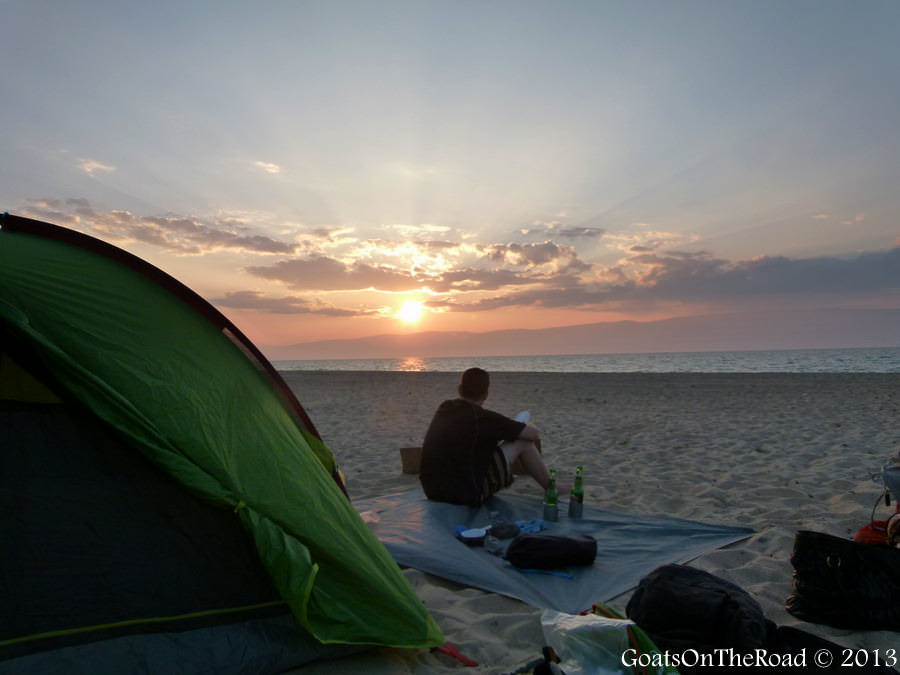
(683, 608)
(845, 584)
(548, 551)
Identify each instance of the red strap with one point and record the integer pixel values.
(452, 651)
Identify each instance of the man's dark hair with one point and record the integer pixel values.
(474, 383)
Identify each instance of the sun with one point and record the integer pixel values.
(410, 311)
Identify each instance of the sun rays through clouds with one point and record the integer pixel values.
(422, 277)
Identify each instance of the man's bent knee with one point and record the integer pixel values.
(513, 449)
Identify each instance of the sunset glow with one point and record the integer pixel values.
(410, 311)
(468, 167)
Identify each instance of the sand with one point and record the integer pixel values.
(775, 452)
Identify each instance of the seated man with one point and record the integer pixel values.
(462, 459)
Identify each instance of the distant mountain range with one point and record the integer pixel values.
(809, 329)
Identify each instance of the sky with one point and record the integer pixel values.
(334, 169)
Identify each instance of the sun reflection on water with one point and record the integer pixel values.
(411, 364)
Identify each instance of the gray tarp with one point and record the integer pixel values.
(421, 534)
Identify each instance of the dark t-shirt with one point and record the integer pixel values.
(458, 447)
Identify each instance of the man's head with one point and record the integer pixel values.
(474, 384)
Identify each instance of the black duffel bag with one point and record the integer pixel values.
(549, 551)
(845, 584)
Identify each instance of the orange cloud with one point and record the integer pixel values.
(92, 166)
(181, 235)
(268, 167)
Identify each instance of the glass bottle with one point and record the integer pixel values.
(576, 498)
(491, 543)
(551, 499)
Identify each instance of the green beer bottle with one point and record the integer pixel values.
(576, 499)
(551, 499)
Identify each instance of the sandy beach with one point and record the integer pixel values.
(775, 452)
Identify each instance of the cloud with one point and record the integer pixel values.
(655, 267)
(859, 218)
(529, 254)
(426, 229)
(510, 266)
(92, 166)
(388, 248)
(268, 167)
(183, 235)
(328, 233)
(557, 229)
(438, 245)
(563, 291)
(692, 277)
(321, 273)
(56, 211)
(514, 266)
(471, 279)
(646, 240)
(868, 272)
(579, 232)
(284, 305)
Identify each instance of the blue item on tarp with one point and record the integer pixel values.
(471, 536)
(420, 534)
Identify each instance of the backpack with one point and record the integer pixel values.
(548, 551)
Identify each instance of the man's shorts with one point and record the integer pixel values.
(499, 475)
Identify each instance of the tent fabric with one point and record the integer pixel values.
(84, 519)
(265, 645)
(420, 534)
(83, 585)
(166, 372)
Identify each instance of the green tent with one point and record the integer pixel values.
(100, 346)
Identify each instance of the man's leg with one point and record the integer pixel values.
(527, 453)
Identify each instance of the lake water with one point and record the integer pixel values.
(876, 360)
